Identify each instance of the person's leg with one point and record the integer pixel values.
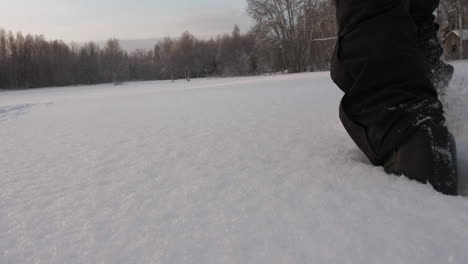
(385, 74)
(423, 10)
(389, 96)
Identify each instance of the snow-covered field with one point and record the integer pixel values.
(240, 170)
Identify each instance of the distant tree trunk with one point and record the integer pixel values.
(460, 27)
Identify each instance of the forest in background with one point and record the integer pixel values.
(288, 35)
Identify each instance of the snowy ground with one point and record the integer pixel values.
(241, 170)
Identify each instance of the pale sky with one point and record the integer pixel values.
(84, 20)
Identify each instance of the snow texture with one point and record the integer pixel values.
(239, 170)
(456, 102)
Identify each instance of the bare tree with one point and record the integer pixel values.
(288, 25)
(88, 63)
(165, 53)
(184, 54)
(3, 60)
(114, 59)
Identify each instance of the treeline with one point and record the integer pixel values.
(32, 61)
(289, 35)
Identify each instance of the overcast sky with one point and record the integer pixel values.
(84, 20)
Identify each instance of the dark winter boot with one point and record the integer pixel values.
(440, 73)
(428, 156)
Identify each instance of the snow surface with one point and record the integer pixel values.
(240, 170)
(456, 102)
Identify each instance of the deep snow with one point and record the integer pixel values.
(239, 170)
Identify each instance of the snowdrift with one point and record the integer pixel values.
(239, 170)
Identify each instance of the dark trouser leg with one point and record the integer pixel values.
(378, 63)
(422, 10)
(383, 73)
